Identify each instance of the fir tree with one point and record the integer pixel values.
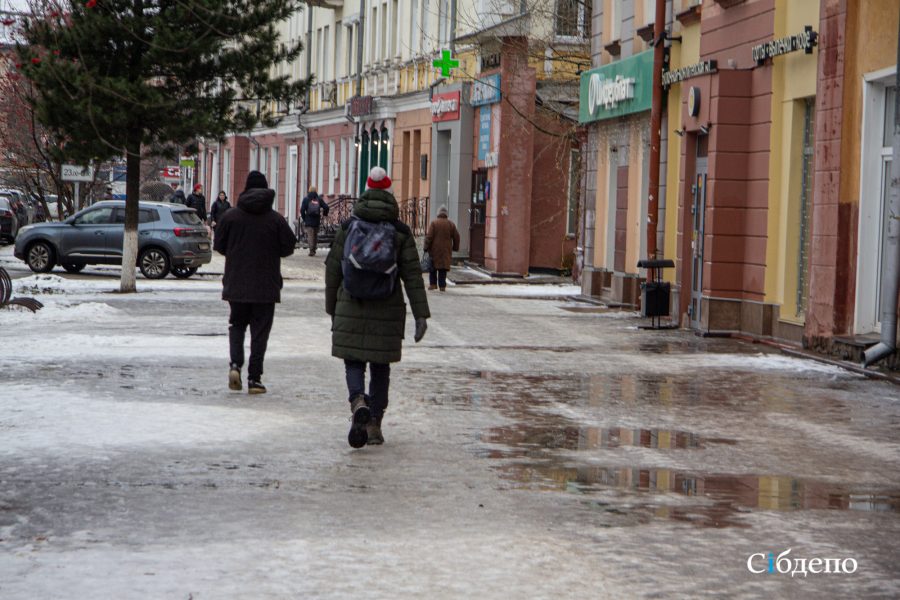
(115, 77)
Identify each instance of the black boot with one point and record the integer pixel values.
(358, 435)
(373, 430)
(255, 386)
(234, 378)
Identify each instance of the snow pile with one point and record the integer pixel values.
(756, 362)
(60, 312)
(46, 284)
(521, 290)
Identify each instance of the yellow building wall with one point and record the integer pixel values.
(601, 206)
(793, 79)
(871, 36)
(683, 54)
(634, 219)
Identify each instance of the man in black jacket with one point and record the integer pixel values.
(197, 201)
(253, 238)
(312, 209)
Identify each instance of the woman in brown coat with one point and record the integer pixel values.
(441, 240)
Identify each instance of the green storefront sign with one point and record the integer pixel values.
(620, 88)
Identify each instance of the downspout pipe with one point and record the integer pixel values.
(656, 109)
(890, 273)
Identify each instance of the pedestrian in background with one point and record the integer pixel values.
(218, 208)
(312, 209)
(368, 313)
(178, 196)
(441, 240)
(254, 238)
(197, 201)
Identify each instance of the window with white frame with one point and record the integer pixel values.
(273, 169)
(573, 18)
(443, 22)
(321, 171)
(649, 11)
(261, 167)
(313, 166)
(332, 171)
(343, 167)
(327, 64)
(226, 173)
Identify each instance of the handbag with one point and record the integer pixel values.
(426, 262)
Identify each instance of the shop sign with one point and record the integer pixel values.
(617, 89)
(484, 132)
(806, 41)
(361, 106)
(696, 70)
(694, 102)
(77, 173)
(186, 161)
(445, 107)
(486, 90)
(490, 61)
(492, 160)
(170, 173)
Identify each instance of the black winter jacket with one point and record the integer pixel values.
(311, 220)
(198, 203)
(254, 238)
(217, 210)
(178, 197)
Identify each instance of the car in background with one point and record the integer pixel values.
(9, 222)
(171, 238)
(53, 207)
(20, 205)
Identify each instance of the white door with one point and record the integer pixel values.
(291, 187)
(878, 124)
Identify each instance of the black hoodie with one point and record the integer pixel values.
(254, 238)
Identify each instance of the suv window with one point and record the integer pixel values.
(186, 217)
(99, 216)
(145, 215)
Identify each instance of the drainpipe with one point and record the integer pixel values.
(890, 274)
(452, 27)
(659, 49)
(359, 46)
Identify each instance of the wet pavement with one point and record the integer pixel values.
(535, 448)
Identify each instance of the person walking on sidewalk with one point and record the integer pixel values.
(217, 210)
(253, 238)
(372, 252)
(441, 240)
(197, 201)
(312, 209)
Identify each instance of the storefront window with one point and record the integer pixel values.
(385, 147)
(573, 18)
(363, 169)
(887, 150)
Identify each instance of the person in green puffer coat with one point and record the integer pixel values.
(372, 331)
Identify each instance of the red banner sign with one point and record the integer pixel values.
(445, 107)
(170, 172)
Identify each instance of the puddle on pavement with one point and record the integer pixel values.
(727, 495)
(534, 439)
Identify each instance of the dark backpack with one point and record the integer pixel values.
(369, 263)
(313, 208)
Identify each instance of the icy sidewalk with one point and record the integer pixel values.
(532, 451)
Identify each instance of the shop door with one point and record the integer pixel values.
(698, 214)
(476, 215)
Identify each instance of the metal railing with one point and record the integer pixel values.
(413, 212)
(6, 299)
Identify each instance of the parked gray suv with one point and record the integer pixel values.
(171, 238)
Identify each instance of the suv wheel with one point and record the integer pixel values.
(40, 257)
(73, 267)
(154, 263)
(183, 272)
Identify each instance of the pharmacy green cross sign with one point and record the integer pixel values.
(446, 63)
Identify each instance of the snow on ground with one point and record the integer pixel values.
(55, 420)
(519, 290)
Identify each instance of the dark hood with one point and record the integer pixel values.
(179, 194)
(256, 201)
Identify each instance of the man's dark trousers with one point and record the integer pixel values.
(259, 317)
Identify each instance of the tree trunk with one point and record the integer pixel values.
(132, 197)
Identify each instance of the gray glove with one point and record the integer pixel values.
(421, 326)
